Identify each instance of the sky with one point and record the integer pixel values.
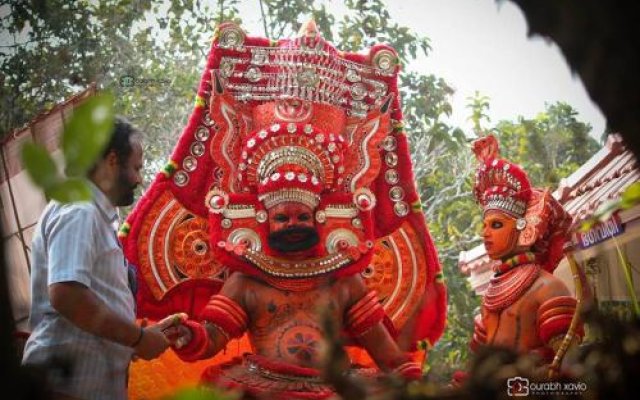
(482, 45)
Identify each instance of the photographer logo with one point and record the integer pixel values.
(518, 386)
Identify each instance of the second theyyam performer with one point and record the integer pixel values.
(289, 199)
(525, 308)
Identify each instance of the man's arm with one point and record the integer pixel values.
(84, 309)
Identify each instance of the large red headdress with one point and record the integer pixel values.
(289, 120)
(504, 186)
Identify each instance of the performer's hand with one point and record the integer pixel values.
(154, 341)
(179, 335)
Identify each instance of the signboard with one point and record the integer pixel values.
(600, 232)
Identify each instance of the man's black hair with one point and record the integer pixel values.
(120, 141)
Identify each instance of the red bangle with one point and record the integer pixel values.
(226, 314)
(199, 344)
(364, 314)
(410, 371)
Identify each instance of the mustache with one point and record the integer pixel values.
(279, 240)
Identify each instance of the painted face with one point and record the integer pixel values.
(292, 228)
(129, 175)
(500, 234)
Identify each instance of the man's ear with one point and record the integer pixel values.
(111, 159)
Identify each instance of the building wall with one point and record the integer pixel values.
(606, 273)
(21, 204)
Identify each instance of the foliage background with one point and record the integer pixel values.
(150, 54)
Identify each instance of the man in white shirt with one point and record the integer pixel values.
(83, 310)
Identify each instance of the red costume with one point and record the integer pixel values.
(289, 130)
(526, 308)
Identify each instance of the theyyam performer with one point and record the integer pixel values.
(290, 198)
(525, 308)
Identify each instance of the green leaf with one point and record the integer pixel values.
(607, 209)
(39, 165)
(587, 224)
(631, 195)
(197, 393)
(69, 190)
(87, 133)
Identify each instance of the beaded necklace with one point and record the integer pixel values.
(509, 282)
(527, 257)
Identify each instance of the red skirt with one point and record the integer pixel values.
(261, 378)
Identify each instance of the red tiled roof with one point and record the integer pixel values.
(475, 259)
(45, 129)
(616, 170)
(70, 101)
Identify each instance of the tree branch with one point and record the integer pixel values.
(264, 20)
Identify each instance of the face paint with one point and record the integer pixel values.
(293, 239)
(291, 228)
(500, 234)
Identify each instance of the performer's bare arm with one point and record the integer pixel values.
(551, 288)
(182, 335)
(233, 288)
(383, 348)
(377, 340)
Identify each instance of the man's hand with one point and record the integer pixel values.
(179, 335)
(154, 340)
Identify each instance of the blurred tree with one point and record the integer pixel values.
(549, 146)
(53, 48)
(443, 166)
(478, 105)
(148, 53)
